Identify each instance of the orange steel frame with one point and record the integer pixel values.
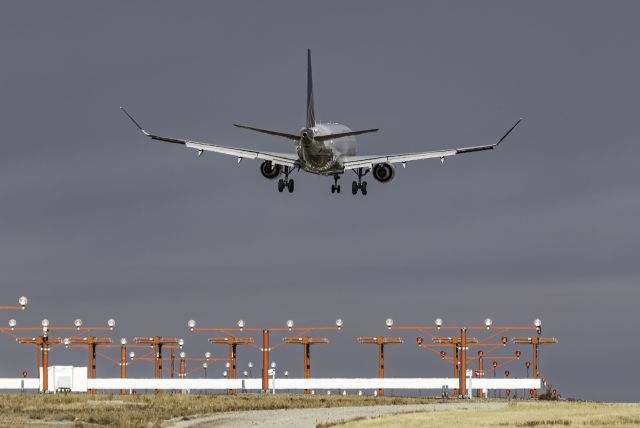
(380, 342)
(464, 344)
(232, 342)
(43, 342)
(306, 343)
(157, 342)
(91, 342)
(536, 341)
(266, 348)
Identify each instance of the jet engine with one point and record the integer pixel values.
(383, 172)
(269, 170)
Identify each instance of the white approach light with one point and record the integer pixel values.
(339, 323)
(250, 365)
(77, 322)
(241, 324)
(273, 365)
(537, 322)
(488, 322)
(45, 322)
(290, 324)
(181, 342)
(438, 322)
(111, 322)
(191, 324)
(66, 341)
(207, 355)
(123, 341)
(12, 323)
(205, 365)
(227, 365)
(389, 322)
(132, 354)
(22, 301)
(183, 354)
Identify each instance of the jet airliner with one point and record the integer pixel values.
(327, 149)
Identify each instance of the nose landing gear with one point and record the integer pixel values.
(359, 185)
(286, 182)
(335, 187)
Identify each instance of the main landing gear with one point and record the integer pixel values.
(361, 185)
(286, 182)
(335, 187)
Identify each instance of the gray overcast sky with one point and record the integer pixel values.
(97, 221)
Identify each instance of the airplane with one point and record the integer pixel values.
(327, 149)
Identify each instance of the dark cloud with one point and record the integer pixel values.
(96, 221)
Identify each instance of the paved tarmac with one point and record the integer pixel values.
(310, 418)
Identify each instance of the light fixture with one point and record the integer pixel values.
(45, 323)
(224, 373)
(181, 342)
(66, 341)
(537, 322)
(286, 373)
(191, 324)
(488, 322)
(438, 322)
(207, 355)
(246, 373)
(339, 323)
(22, 301)
(241, 324)
(205, 365)
(123, 341)
(250, 365)
(132, 354)
(77, 322)
(183, 354)
(389, 322)
(273, 364)
(227, 365)
(111, 322)
(12, 323)
(290, 324)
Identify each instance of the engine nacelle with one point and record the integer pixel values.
(269, 170)
(383, 172)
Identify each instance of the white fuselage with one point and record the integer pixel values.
(324, 157)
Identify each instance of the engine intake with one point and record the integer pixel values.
(383, 172)
(269, 170)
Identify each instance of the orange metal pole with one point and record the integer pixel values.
(45, 364)
(456, 363)
(182, 367)
(91, 348)
(480, 372)
(307, 360)
(232, 361)
(463, 362)
(123, 366)
(265, 360)
(536, 371)
(380, 363)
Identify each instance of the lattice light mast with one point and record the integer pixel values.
(306, 343)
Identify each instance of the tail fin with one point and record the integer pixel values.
(311, 114)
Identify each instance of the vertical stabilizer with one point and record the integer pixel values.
(311, 113)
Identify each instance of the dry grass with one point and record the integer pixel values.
(529, 414)
(152, 410)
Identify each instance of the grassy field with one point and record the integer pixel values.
(151, 410)
(516, 414)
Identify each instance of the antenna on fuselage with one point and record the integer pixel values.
(311, 114)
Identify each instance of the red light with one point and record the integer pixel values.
(443, 354)
(419, 340)
(527, 364)
(480, 354)
(504, 339)
(506, 373)
(518, 353)
(494, 364)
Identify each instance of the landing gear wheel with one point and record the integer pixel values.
(333, 188)
(363, 187)
(354, 188)
(280, 185)
(338, 188)
(290, 186)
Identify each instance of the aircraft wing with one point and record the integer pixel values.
(284, 159)
(352, 162)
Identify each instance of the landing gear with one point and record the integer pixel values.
(335, 187)
(286, 181)
(361, 185)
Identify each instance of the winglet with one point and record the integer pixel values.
(508, 132)
(134, 121)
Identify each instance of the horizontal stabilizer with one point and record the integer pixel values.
(343, 134)
(266, 131)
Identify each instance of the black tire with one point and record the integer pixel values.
(280, 185)
(363, 188)
(333, 188)
(338, 188)
(290, 186)
(354, 188)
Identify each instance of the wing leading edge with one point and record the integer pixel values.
(284, 159)
(351, 162)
